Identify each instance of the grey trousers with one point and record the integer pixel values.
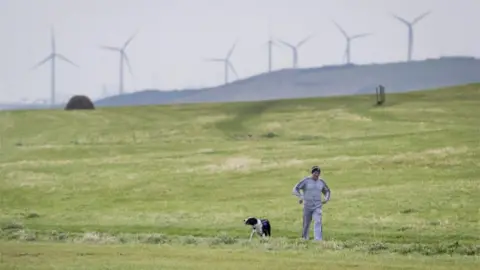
(315, 214)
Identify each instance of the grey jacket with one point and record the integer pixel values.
(312, 191)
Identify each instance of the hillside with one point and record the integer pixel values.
(167, 187)
(318, 82)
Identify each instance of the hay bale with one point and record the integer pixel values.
(79, 102)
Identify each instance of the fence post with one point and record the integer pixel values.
(380, 93)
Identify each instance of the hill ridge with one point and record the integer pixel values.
(330, 80)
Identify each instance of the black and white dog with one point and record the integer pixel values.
(259, 226)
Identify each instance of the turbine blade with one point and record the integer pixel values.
(270, 41)
(275, 43)
(269, 27)
(231, 50)
(128, 62)
(130, 39)
(286, 44)
(43, 61)
(232, 68)
(214, 60)
(110, 48)
(360, 36)
(66, 59)
(52, 33)
(401, 19)
(420, 17)
(304, 41)
(341, 29)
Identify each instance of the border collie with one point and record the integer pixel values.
(259, 226)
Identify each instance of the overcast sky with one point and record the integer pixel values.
(176, 35)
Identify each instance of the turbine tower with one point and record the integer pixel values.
(227, 63)
(270, 44)
(123, 60)
(410, 31)
(295, 49)
(52, 57)
(349, 41)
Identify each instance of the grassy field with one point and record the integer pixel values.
(167, 187)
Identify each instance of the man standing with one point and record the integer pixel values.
(312, 188)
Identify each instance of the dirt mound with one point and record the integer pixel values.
(79, 103)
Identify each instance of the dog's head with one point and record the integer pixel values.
(251, 221)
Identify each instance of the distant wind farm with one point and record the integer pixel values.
(228, 66)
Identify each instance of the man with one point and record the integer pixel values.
(312, 188)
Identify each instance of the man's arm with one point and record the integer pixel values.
(296, 189)
(326, 192)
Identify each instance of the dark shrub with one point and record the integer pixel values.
(80, 103)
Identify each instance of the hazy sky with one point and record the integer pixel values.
(176, 35)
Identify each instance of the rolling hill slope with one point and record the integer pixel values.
(318, 82)
(404, 180)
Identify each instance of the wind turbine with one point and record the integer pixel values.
(227, 62)
(52, 57)
(295, 49)
(123, 60)
(270, 43)
(410, 31)
(349, 40)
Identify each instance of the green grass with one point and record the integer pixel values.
(167, 187)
